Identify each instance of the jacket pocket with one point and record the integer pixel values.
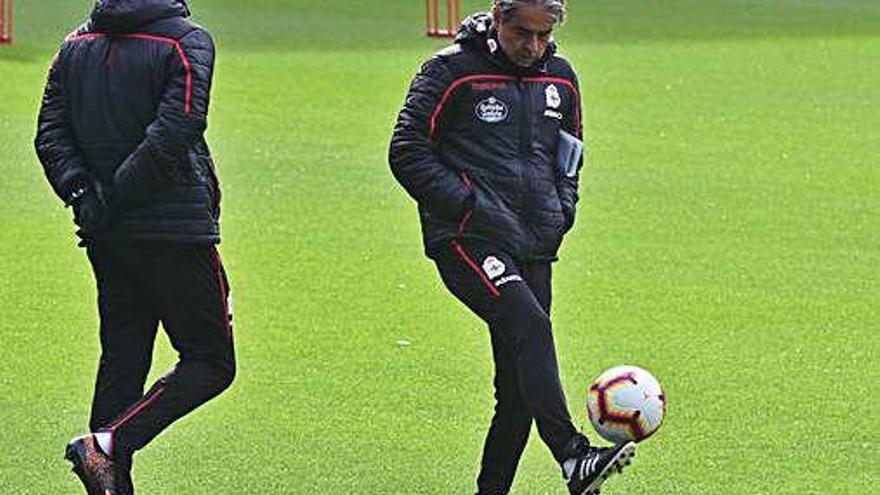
(207, 175)
(468, 212)
(495, 221)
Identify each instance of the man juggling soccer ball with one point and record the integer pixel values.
(489, 145)
(121, 140)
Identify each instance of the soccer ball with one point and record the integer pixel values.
(626, 403)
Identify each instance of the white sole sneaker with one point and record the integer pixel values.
(621, 459)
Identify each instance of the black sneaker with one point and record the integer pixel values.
(596, 465)
(99, 473)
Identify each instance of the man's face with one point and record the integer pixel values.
(525, 36)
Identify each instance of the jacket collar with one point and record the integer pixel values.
(478, 33)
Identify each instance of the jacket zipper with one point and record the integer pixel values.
(524, 118)
(525, 150)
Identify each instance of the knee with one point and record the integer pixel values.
(226, 372)
(512, 411)
(222, 363)
(118, 358)
(508, 398)
(528, 328)
(124, 373)
(217, 372)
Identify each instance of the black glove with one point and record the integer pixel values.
(91, 212)
(568, 219)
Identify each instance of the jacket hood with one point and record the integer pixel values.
(129, 15)
(474, 29)
(477, 31)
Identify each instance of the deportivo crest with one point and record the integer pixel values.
(493, 267)
(491, 110)
(553, 98)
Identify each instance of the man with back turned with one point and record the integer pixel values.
(121, 140)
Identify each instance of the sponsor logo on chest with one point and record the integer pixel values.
(492, 110)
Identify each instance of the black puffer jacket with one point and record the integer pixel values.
(126, 105)
(476, 144)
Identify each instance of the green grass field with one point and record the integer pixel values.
(728, 240)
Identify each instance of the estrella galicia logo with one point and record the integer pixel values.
(492, 110)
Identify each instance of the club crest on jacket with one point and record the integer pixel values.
(553, 98)
(493, 267)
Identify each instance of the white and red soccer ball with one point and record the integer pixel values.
(626, 403)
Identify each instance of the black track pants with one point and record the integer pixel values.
(140, 285)
(514, 300)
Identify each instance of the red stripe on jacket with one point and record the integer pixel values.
(187, 99)
(438, 110)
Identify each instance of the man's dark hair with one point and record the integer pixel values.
(554, 8)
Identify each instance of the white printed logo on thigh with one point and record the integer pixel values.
(493, 267)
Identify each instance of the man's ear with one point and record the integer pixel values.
(496, 16)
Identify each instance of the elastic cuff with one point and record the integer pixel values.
(76, 194)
